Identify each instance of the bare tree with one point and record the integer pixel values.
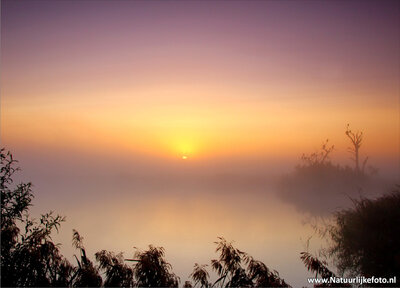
(356, 139)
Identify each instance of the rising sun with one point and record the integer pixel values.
(184, 157)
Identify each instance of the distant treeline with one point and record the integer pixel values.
(318, 186)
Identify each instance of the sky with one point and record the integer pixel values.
(101, 101)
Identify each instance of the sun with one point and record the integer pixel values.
(183, 147)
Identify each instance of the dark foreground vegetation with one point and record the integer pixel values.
(365, 242)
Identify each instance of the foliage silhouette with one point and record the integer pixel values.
(187, 284)
(362, 241)
(228, 266)
(320, 269)
(86, 275)
(117, 273)
(262, 276)
(28, 258)
(316, 266)
(366, 238)
(14, 202)
(152, 270)
(238, 269)
(200, 276)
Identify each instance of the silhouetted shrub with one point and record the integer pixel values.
(320, 269)
(28, 258)
(200, 276)
(361, 241)
(366, 238)
(152, 270)
(86, 274)
(237, 269)
(117, 273)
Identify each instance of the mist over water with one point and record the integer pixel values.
(119, 203)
